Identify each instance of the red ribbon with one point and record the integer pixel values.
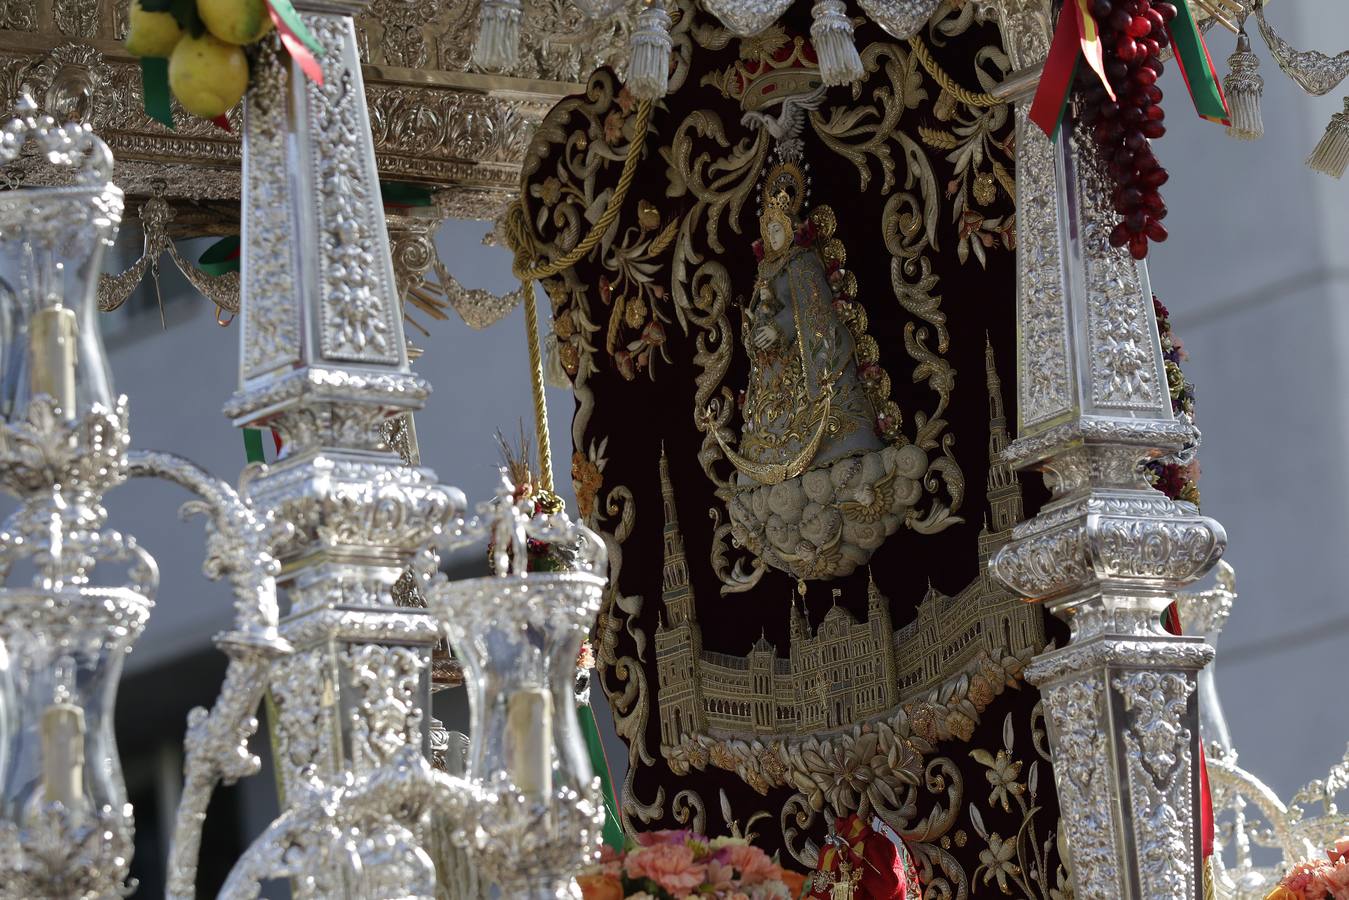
(1076, 36)
(296, 46)
(1171, 622)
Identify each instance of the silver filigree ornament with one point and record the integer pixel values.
(519, 634)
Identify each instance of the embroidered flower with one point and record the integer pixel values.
(996, 861)
(550, 191)
(623, 361)
(613, 127)
(654, 333)
(1002, 775)
(634, 313)
(586, 479)
(669, 865)
(648, 217)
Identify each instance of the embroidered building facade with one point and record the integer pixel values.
(845, 671)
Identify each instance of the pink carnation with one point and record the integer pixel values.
(753, 864)
(1303, 877)
(652, 838)
(669, 865)
(1334, 879)
(720, 875)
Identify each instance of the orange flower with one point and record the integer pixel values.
(795, 881)
(600, 887)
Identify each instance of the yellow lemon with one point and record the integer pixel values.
(207, 75)
(151, 33)
(235, 21)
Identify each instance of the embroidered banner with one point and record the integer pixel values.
(789, 357)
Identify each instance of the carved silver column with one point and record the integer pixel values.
(1107, 553)
(323, 361)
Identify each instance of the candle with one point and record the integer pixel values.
(51, 345)
(63, 753)
(529, 725)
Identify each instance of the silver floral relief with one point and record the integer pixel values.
(387, 714)
(304, 694)
(1125, 352)
(271, 312)
(1083, 776)
(75, 18)
(1026, 27)
(1045, 386)
(359, 319)
(1161, 776)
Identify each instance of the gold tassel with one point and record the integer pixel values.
(1331, 155)
(1243, 87)
(1210, 880)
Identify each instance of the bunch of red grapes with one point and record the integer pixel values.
(1133, 33)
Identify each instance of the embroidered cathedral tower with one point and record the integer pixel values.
(679, 643)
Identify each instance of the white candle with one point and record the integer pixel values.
(51, 359)
(63, 754)
(529, 725)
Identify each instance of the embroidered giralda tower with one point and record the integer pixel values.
(679, 643)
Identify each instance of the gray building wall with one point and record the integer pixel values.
(1256, 275)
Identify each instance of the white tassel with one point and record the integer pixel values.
(1243, 86)
(649, 70)
(831, 34)
(498, 44)
(1331, 156)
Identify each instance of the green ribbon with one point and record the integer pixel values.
(288, 15)
(253, 445)
(1196, 67)
(613, 825)
(403, 193)
(155, 89)
(221, 257)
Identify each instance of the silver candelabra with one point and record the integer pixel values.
(313, 546)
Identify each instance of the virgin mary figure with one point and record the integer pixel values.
(817, 488)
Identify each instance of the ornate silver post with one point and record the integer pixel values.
(1107, 553)
(323, 362)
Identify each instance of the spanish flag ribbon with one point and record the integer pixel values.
(882, 869)
(299, 42)
(1076, 37)
(1196, 66)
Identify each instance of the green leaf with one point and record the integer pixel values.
(185, 11)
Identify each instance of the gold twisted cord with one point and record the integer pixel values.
(521, 241)
(947, 83)
(517, 224)
(536, 384)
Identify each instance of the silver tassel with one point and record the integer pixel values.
(831, 34)
(649, 70)
(1331, 156)
(498, 44)
(1243, 86)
